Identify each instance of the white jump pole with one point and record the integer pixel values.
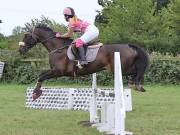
(120, 113)
(1, 68)
(93, 107)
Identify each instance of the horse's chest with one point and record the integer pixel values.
(58, 61)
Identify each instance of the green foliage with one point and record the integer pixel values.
(21, 73)
(11, 42)
(8, 55)
(174, 12)
(25, 74)
(46, 21)
(1, 37)
(126, 20)
(3, 44)
(17, 30)
(166, 71)
(135, 22)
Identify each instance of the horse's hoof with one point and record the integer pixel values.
(132, 86)
(36, 94)
(142, 89)
(85, 123)
(139, 88)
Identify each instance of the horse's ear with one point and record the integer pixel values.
(27, 33)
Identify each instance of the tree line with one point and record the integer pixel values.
(153, 24)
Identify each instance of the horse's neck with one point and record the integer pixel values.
(53, 44)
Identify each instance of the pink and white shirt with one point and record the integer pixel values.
(78, 25)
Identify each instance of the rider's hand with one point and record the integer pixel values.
(58, 35)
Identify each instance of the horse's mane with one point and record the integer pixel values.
(44, 27)
(66, 41)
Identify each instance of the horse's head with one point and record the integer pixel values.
(27, 43)
(46, 36)
(39, 34)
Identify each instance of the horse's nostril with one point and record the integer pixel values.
(21, 44)
(21, 51)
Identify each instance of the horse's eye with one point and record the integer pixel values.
(26, 35)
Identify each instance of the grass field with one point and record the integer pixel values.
(155, 112)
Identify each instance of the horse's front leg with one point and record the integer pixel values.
(44, 76)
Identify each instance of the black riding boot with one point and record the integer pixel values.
(82, 56)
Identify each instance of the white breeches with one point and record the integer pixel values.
(90, 34)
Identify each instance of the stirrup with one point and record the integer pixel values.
(83, 62)
(79, 65)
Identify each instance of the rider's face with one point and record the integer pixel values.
(66, 18)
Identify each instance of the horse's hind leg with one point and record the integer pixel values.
(131, 81)
(43, 76)
(138, 81)
(139, 76)
(138, 86)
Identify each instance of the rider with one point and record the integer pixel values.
(89, 32)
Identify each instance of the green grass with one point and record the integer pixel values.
(155, 112)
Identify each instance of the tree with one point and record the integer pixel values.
(46, 21)
(125, 20)
(17, 30)
(134, 21)
(1, 35)
(175, 15)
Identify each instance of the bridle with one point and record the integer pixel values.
(35, 38)
(45, 40)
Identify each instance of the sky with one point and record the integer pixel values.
(18, 12)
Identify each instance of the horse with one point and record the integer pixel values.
(134, 60)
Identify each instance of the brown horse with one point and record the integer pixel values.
(134, 60)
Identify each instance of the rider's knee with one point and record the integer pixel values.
(79, 43)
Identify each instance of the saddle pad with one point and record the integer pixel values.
(90, 54)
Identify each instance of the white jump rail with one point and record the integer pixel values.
(1, 68)
(112, 114)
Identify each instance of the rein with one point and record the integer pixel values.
(34, 36)
(59, 49)
(45, 40)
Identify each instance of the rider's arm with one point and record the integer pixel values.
(68, 34)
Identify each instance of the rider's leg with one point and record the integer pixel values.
(82, 54)
(89, 35)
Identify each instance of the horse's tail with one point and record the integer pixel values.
(142, 58)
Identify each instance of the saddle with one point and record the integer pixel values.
(90, 49)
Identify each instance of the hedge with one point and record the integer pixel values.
(160, 71)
